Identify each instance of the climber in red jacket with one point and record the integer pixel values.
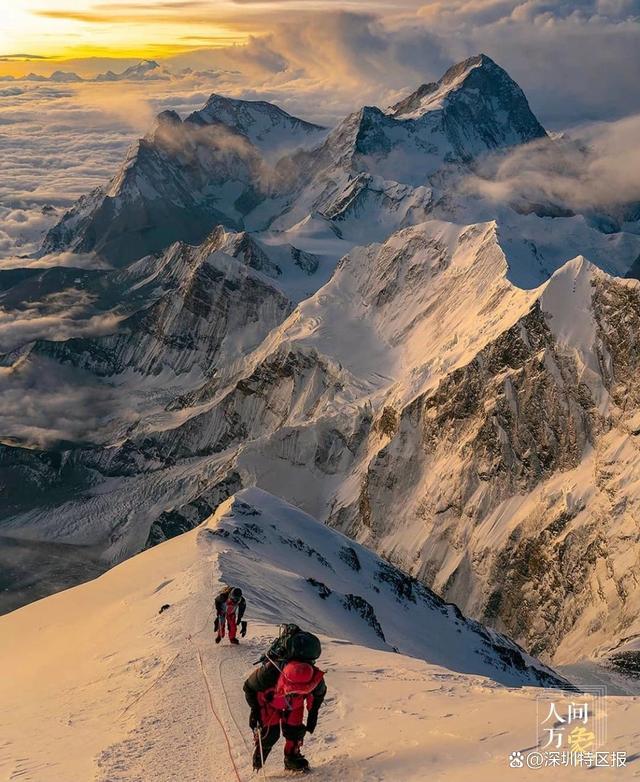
(230, 608)
(277, 697)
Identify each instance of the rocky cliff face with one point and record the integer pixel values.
(504, 481)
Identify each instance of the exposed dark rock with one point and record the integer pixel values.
(323, 589)
(300, 545)
(364, 609)
(348, 555)
(174, 522)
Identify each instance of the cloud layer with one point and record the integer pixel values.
(601, 173)
(61, 141)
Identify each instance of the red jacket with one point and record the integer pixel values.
(286, 701)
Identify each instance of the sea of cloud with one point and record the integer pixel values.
(598, 171)
(61, 141)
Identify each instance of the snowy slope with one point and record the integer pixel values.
(252, 167)
(456, 423)
(379, 166)
(419, 398)
(156, 330)
(103, 687)
(247, 164)
(341, 589)
(142, 71)
(482, 107)
(182, 179)
(296, 272)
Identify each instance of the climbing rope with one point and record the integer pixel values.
(215, 714)
(259, 735)
(226, 698)
(153, 684)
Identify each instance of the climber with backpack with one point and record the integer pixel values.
(279, 651)
(277, 692)
(230, 606)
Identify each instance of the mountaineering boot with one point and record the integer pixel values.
(218, 639)
(257, 760)
(234, 641)
(296, 762)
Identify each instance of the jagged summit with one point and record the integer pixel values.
(454, 76)
(220, 107)
(480, 93)
(167, 117)
(144, 69)
(390, 161)
(183, 178)
(413, 101)
(248, 163)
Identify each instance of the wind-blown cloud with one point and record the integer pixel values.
(576, 62)
(57, 317)
(44, 403)
(61, 142)
(600, 173)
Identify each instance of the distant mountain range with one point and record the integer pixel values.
(333, 316)
(145, 70)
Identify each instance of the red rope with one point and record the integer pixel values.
(226, 698)
(153, 684)
(215, 714)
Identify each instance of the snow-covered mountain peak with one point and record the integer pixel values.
(458, 72)
(235, 111)
(145, 69)
(65, 77)
(479, 73)
(426, 140)
(568, 300)
(427, 94)
(482, 107)
(251, 165)
(168, 117)
(143, 66)
(576, 269)
(267, 126)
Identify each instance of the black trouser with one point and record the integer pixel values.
(293, 735)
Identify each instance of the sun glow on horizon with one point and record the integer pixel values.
(42, 31)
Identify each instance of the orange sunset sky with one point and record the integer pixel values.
(51, 31)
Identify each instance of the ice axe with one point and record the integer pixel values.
(257, 732)
(243, 629)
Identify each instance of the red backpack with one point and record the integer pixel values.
(285, 702)
(298, 678)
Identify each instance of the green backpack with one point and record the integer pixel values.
(294, 644)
